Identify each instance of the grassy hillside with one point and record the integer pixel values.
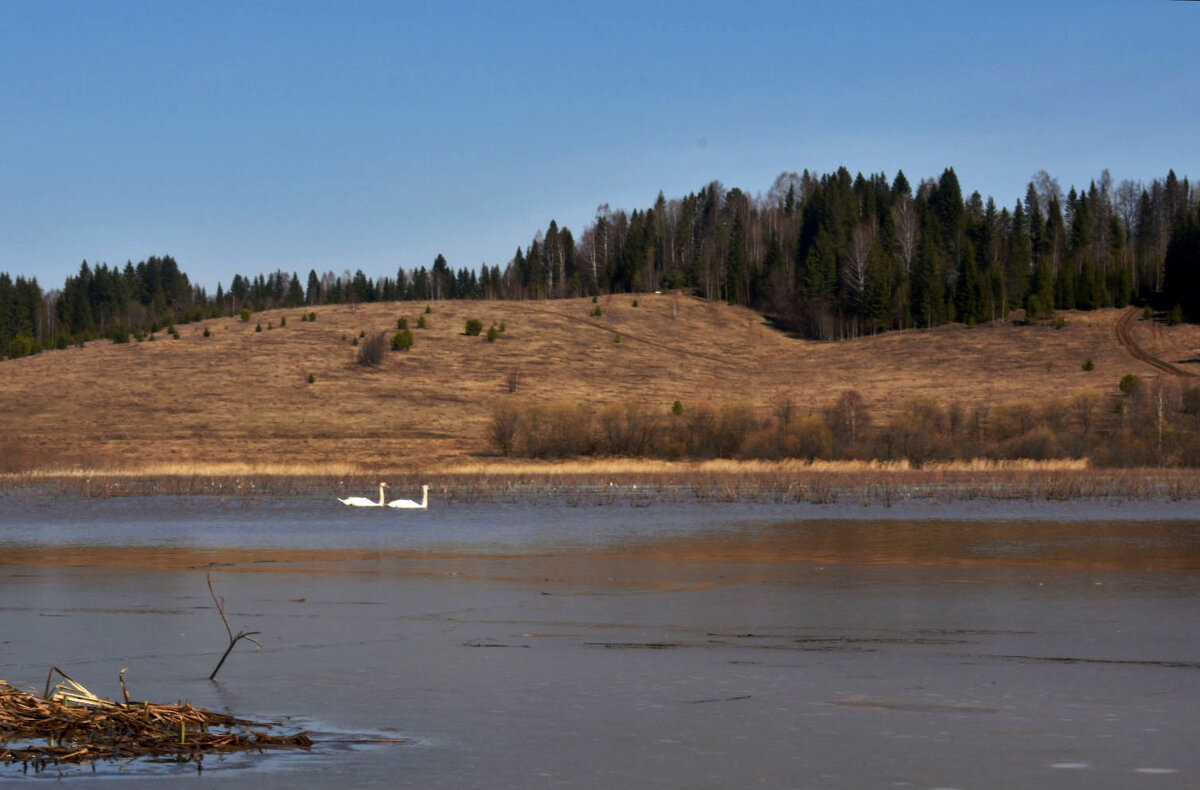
(243, 398)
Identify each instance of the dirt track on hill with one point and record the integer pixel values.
(1125, 337)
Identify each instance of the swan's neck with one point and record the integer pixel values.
(424, 496)
(381, 487)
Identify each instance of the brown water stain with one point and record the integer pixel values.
(785, 552)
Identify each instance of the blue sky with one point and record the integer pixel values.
(245, 137)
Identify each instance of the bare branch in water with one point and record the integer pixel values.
(233, 640)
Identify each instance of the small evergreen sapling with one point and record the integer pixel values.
(402, 340)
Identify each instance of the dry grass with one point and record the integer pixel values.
(239, 402)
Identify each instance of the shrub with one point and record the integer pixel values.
(626, 429)
(714, 433)
(848, 418)
(311, 378)
(312, 317)
(771, 444)
(635, 303)
(474, 327)
(245, 313)
(258, 327)
(402, 340)
(1128, 382)
(677, 408)
(1013, 419)
(813, 438)
(1175, 317)
(372, 351)
(1038, 444)
(492, 333)
(557, 431)
(402, 323)
(1127, 447)
(503, 428)
(207, 333)
(1147, 314)
(421, 323)
(1190, 401)
(1056, 415)
(1088, 364)
(617, 337)
(916, 433)
(428, 309)
(597, 311)
(282, 321)
(362, 333)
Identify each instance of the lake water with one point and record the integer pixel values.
(653, 644)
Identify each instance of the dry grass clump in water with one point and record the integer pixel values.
(74, 726)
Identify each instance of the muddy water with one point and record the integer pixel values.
(670, 645)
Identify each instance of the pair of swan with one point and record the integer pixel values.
(362, 501)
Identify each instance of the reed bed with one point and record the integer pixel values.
(39, 732)
(619, 481)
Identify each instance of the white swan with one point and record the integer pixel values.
(408, 503)
(362, 501)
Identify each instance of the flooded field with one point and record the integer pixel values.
(667, 644)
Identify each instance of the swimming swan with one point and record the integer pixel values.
(362, 501)
(410, 504)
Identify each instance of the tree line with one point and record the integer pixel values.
(827, 256)
(836, 256)
(1149, 423)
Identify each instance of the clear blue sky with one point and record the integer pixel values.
(245, 137)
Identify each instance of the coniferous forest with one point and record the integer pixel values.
(829, 257)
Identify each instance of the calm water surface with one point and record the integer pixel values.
(668, 644)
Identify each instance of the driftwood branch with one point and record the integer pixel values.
(233, 640)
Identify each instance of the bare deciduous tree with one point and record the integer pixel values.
(908, 231)
(858, 256)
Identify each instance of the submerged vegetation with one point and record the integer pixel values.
(604, 481)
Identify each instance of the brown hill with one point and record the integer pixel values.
(243, 398)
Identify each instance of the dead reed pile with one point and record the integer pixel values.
(39, 732)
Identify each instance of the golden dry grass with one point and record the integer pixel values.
(239, 402)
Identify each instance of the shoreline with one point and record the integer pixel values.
(611, 480)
